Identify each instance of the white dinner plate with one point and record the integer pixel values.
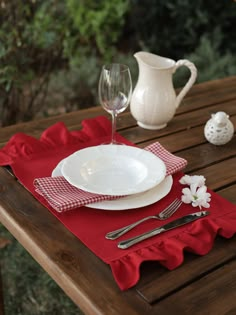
(137, 200)
(113, 170)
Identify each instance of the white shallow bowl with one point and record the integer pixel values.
(113, 170)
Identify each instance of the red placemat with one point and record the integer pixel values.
(31, 158)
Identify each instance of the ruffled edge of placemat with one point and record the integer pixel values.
(198, 238)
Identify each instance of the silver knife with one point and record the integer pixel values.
(169, 226)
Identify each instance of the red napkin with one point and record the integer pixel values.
(62, 196)
(30, 158)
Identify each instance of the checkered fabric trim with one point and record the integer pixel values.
(173, 163)
(62, 196)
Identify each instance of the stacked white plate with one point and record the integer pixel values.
(117, 170)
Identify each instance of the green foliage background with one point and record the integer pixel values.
(201, 31)
(175, 28)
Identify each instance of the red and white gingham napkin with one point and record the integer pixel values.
(62, 196)
(173, 163)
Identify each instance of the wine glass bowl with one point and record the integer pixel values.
(114, 91)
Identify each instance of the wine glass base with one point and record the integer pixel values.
(113, 143)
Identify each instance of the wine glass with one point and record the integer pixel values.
(114, 90)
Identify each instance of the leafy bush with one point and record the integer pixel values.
(211, 64)
(98, 24)
(175, 28)
(30, 49)
(94, 28)
(39, 37)
(210, 61)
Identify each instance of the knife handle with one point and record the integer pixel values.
(136, 239)
(169, 226)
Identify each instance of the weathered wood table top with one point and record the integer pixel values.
(202, 284)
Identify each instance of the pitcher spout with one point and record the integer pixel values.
(153, 61)
(138, 55)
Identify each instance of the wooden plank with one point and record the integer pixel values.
(193, 268)
(216, 96)
(229, 193)
(179, 123)
(219, 175)
(178, 141)
(206, 154)
(218, 84)
(213, 293)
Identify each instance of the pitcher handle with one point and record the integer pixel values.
(192, 79)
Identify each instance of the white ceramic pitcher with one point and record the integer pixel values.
(154, 100)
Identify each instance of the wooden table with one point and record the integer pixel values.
(201, 285)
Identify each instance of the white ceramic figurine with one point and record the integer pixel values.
(219, 129)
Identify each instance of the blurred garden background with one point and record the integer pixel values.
(51, 54)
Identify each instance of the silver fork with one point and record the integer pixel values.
(163, 215)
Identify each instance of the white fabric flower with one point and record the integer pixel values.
(197, 196)
(198, 180)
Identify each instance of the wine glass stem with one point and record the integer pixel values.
(113, 132)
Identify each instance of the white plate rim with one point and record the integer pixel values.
(156, 169)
